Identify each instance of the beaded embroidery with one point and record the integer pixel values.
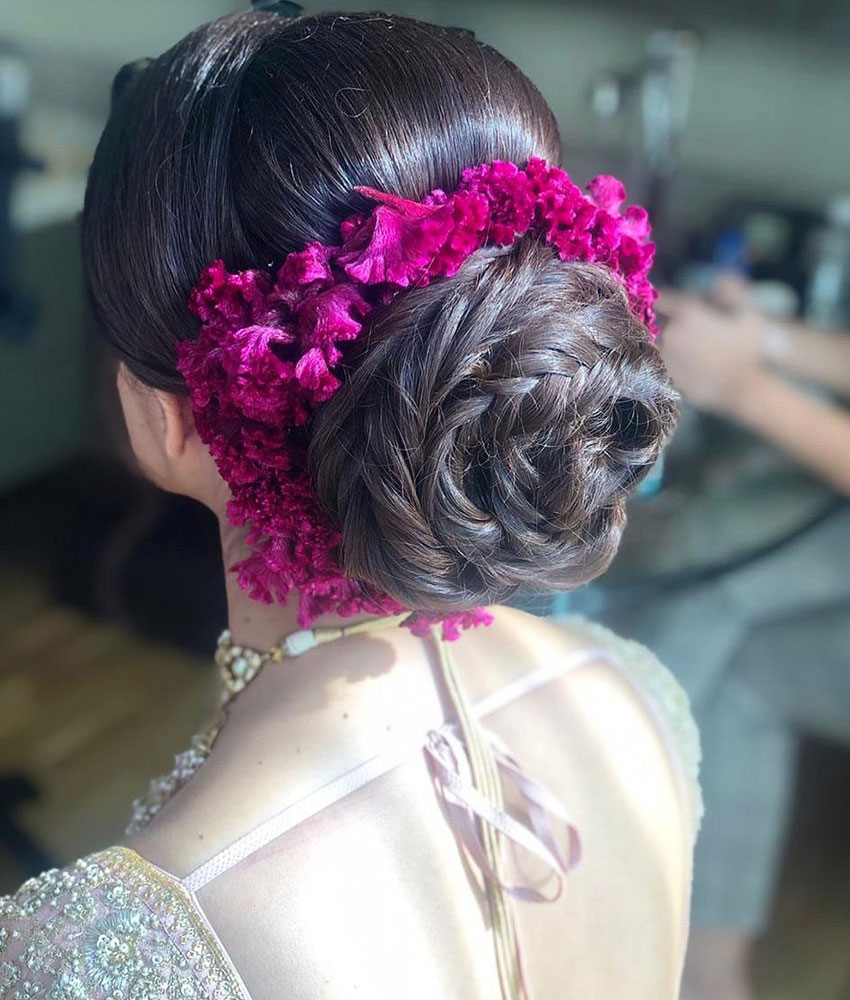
(110, 926)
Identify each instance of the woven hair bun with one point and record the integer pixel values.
(490, 431)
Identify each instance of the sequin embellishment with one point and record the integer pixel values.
(110, 926)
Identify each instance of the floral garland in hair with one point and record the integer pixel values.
(269, 350)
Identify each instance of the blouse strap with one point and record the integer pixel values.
(298, 812)
(390, 758)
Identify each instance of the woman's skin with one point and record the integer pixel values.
(736, 363)
(383, 866)
(730, 360)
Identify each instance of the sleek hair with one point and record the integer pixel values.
(494, 422)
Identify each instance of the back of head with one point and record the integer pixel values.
(491, 424)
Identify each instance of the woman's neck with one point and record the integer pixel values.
(349, 695)
(253, 624)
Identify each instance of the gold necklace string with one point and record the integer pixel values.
(329, 633)
(239, 665)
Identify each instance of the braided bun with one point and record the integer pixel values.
(490, 430)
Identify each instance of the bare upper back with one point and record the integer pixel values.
(371, 898)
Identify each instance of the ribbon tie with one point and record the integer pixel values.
(448, 765)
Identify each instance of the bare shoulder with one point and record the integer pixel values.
(624, 695)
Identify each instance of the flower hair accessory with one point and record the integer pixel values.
(271, 346)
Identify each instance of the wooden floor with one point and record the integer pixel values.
(89, 712)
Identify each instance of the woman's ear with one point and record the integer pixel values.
(178, 424)
(187, 464)
(165, 442)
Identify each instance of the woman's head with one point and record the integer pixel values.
(493, 422)
(244, 142)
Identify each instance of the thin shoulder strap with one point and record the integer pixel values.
(536, 678)
(298, 812)
(390, 758)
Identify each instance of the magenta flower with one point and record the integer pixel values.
(607, 193)
(510, 195)
(269, 351)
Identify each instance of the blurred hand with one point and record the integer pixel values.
(732, 291)
(712, 355)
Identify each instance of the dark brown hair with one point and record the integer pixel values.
(493, 423)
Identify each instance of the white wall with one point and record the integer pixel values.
(768, 110)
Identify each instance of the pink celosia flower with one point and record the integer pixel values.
(607, 193)
(509, 192)
(269, 351)
(396, 243)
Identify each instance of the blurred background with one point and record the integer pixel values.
(731, 122)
